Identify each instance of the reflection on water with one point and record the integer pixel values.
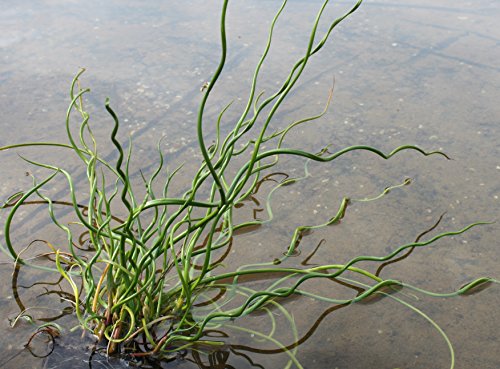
(411, 72)
(80, 351)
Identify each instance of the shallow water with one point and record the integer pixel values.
(405, 72)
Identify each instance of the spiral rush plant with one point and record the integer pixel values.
(153, 263)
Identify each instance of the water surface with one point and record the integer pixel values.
(420, 72)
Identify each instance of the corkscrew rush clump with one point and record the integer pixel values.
(147, 282)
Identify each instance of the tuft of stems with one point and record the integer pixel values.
(152, 265)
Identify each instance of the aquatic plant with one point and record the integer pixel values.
(153, 271)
